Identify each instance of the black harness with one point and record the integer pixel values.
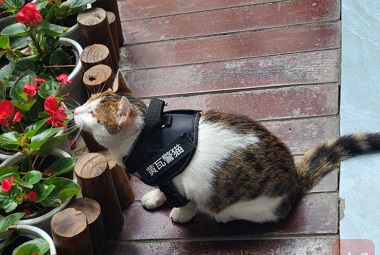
(164, 148)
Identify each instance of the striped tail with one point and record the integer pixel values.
(326, 157)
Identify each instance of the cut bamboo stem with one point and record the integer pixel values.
(94, 29)
(113, 26)
(93, 213)
(98, 78)
(96, 182)
(95, 54)
(121, 180)
(112, 6)
(70, 233)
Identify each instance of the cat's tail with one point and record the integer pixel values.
(326, 157)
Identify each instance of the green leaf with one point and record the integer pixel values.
(17, 90)
(59, 57)
(6, 71)
(20, 42)
(2, 91)
(79, 3)
(36, 246)
(62, 166)
(6, 222)
(42, 137)
(32, 129)
(9, 200)
(33, 176)
(4, 42)
(49, 88)
(9, 141)
(14, 4)
(42, 191)
(53, 143)
(23, 183)
(5, 170)
(64, 189)
(25, 64)
(50, 29)
(16, 29)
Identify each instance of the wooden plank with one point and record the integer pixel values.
(300, 68)
(242, 45)
(142, 9)
(301, 135)
(316, 213)
(313, 245)
(230, 20)
(267, 104)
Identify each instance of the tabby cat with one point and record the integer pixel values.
(240, 171)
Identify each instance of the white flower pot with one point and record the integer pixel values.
(33, 232)
(44, 220)
(77, 91)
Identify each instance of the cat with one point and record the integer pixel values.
(240, 170)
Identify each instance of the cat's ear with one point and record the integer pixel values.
(120, 85)
(126, 112)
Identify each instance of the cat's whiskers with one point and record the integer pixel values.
(72, 104)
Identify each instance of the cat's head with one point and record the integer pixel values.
(112, 113)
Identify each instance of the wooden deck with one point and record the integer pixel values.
(274, 60)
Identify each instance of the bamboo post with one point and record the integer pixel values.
(112, 6)
(95, 54)
(91, 144)
(70, 233)
(121, 180)
(94, 28)
(96, 182)
(113, 26)
(93, 213)
(98, 78)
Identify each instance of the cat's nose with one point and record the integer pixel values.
(76, 112)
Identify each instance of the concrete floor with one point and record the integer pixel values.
(360, 111)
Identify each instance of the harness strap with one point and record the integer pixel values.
(172, 195)
(153, 124)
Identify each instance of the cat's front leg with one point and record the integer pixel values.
(153, 199)
(185, 213)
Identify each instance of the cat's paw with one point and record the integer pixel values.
(183, 214)
(153, 199)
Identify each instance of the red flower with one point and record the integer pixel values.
(31, 89)
(6, 111)
(29, 14)
(39, 80)
(6, 184)
(63, 78)
(27, 212)
(17, 116)
(32, 195)
(56, 113)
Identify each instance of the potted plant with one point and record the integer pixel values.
(23, 239)
(64, 13)
(59, 12)
(35, 44)
(39, 177)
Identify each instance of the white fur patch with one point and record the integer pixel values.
(153, 199)
(258, 210)
(185, 213)
(215, 144)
